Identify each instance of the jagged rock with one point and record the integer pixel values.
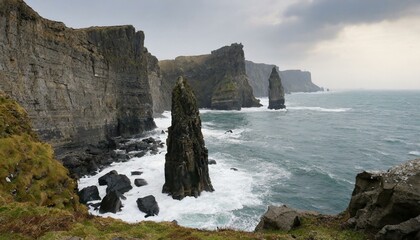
(408, 230)
(106, 178)
(79, 86)
(275, 91)
(186, 162)
(119, 183)
(139, 182)
(89, 194)
(111, 203)
(386, 198)
(218, 79)
(148, 205)
(279, 218)
(292, 80)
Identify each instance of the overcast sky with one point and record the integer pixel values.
(372, 44)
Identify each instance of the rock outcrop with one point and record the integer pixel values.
(186, 162)
(279, 218)
(292, 80)
(388, 200)
(78, 86)
(275, 91)
(219, 79)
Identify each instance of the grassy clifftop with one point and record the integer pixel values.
(38, 200)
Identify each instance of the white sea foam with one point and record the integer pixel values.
(233, 189)
(320, 109)
(414, 153)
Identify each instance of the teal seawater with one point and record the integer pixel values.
(308, 156)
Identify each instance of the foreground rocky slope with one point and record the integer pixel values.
(219, 79)
(292, 80)
(186, 163)
(79, 86)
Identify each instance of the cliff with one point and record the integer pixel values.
(186, 163)
(219, 79)
(78, 86)
(292, 80)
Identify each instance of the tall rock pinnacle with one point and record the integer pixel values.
(275, 91)
(186, 163)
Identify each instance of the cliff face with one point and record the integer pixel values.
(79, 86)
(186, 163)
(219, 79)
(292, 80)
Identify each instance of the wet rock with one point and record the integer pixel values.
(119, 183)
(110, 203)
(212, 162)
(88, 194)
(275, 91)
(139, 182)
(186, 162)
(279, 218)
(136, 173)
(148, 205)
(234, 169)
(106, 178)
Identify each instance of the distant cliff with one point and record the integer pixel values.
(78, 86)
(218, 79)
(292, 80)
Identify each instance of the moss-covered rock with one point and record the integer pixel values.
(28, 170)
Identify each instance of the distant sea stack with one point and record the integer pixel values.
(218, 79)
(186, 162)
(292, 80)
(275, 91)
(79, 86)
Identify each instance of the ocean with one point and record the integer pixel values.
(306, 157)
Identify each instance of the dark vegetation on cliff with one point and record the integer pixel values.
(218, 79)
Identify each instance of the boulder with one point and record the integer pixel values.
(88, 194)
(186, 162)
(136, 173)
(212, 162)
(119, 183)
(279, 218)
(139, 182)
(386, 198)
(105, 178)
(111, 203)
(409, 230)
(148, 205)
(275, 91)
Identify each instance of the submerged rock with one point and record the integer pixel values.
(387, 198)
(275, 91)
(139, 182)
(186, 163)
(148, 205)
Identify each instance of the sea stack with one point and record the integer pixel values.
(186, 163)
(275, 91)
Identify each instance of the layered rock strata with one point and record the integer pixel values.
(186, 162)
(79, 86)
(275, 91)
(219, 79)
(293, 80)
(387, 200)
